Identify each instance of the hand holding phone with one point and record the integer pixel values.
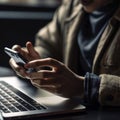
(19, 59)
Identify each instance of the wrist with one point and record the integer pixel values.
(81, 86)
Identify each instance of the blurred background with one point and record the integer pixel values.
(20, 20)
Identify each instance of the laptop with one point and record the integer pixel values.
(19, 99)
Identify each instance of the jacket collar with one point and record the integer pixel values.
(75, 11)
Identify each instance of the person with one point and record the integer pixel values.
(77, 53)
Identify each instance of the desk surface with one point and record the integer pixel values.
(92, 114)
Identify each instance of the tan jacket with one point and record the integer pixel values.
(59, 40)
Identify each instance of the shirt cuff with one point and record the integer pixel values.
(91, 88)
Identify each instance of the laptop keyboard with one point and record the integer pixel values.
(13, 100)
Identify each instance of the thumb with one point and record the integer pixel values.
(33, 53)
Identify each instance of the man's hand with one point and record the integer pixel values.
(58, 79)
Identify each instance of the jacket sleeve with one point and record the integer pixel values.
(49, 39)
(109, 91)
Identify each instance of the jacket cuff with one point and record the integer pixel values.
(109, 92)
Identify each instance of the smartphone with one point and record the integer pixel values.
(19, 59)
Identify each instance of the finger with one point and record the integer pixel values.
(17, 48)
(44, 62)
(14, 65)
(31, 50)
(22, 51)
(18, 69)
(42, 74)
